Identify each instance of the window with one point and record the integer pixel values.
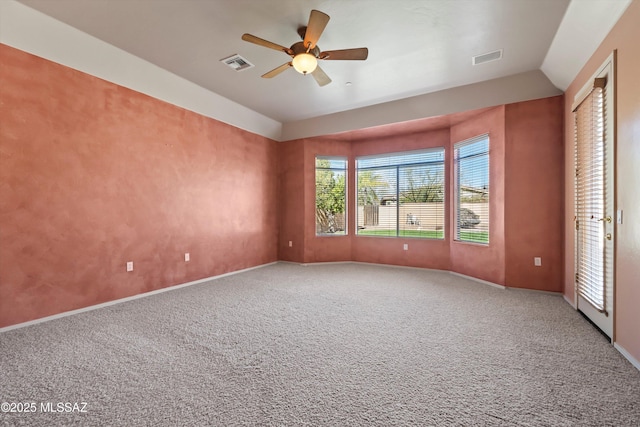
(401, 194)
(331, 196)
(471, 177)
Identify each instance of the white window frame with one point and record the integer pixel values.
(405, 222)
(331, 222)
(470, 216)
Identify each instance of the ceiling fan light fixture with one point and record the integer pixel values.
(306, 53)
(305, 63)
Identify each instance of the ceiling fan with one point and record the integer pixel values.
(306, 53)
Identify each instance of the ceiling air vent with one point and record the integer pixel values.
(487, 57)
(237, 62)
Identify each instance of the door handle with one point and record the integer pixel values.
(606, 218)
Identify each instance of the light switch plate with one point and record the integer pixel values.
(130, 266)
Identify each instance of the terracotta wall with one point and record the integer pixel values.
(525, 167)
(624, 38)
(482, 261)
(291, 188)
(534, 196)
(93, 175)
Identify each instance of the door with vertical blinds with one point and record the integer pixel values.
(595, 202)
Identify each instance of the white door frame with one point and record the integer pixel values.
(605, 321)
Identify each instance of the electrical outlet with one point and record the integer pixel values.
(130, 266)
(290, 243)
(406, 247)
(186, 257)
(537, 261)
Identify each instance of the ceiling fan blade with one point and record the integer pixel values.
(262, 42)
(317, 21)
(277, 70)
(345, 54)
(320, 76)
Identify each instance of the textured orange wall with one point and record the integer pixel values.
(624, 37)
(533, 194)
(481, 261)
(526, 165)
(93, 175)
(291, 188)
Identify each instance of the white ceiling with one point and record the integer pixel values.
(416, 47)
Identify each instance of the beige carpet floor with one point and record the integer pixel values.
(335, 345)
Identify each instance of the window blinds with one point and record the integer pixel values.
(590, 162)
(471, 175)
(401, 194)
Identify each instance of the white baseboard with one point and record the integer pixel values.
(406, 267)
(571, 303)
(475, 279)
(537, 291)
(121, 300)
(627, 355)
(308, 264)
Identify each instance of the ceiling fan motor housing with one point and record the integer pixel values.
(299, 47)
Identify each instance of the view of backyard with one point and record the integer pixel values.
(473, 236)
(399, 195)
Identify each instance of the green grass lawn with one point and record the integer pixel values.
(474, 236)
(428, 234)
(467, 236)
